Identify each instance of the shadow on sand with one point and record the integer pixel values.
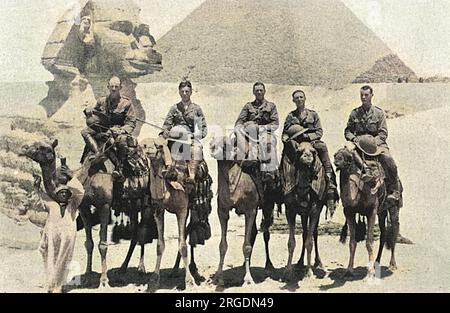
(339, 277)
(168, 280)
(234, 277)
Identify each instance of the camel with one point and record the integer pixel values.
(98, 192)
(98, 188)
(174, 199)
(236, 189)
(366, 198)
(307, 199)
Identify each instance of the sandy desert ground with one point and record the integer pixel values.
(418, 140)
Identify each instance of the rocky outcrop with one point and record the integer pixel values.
(388, 69)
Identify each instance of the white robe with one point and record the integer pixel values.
(58, 236)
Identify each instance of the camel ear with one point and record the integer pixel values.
(54, 142)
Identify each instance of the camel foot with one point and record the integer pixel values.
(198, 278)
(318, 264)
(370, 277)
(309, 273)
(269, 267)
(392, 266)
(141, 269)
(104, 282)
(248, 280)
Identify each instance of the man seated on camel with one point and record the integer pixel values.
(368, 119)
(303, 125)
(111, 120)
(186, 122)
(255, 138)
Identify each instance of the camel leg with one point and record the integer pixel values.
(267, 215)
(160, 246)
(133, 242)
(369, 244)
(250, 217)
(395, 228)
(308, 244)
(182, 246)
(194, 270)
(103, 244)
(382, 224)
(351, 222)
(224, 216)
(313, 221)
(317, 261)
(176, 266)
(301, 261)
(290, 216)
(253, 235)
(89, 243)
(141, 267)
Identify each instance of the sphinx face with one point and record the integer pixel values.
(125, 47)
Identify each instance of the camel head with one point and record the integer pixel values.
(343, 159)
(304, 153)
(42, 152)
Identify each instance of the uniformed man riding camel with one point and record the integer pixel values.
(186, 122)
(256, 141)
(368, 119)
(111, 120)
(303, 125)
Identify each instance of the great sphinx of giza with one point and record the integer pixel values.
(92, 41)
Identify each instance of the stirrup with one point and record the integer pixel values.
(93, 157)
(118, 176)
(394, 196)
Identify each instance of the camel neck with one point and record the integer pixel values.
(49, 177)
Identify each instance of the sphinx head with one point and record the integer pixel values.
(105, 37)
(93, 41)
(124, 45)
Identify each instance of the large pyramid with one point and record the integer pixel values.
(305, 42)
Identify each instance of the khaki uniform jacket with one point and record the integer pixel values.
(122, 115)
(178, 116)
(262, 114)
(307, 119)
(372, 122)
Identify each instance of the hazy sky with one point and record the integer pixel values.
(417, 30)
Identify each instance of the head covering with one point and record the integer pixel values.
(179, 132)
(293, 132)
(368, 145)
(62, 188)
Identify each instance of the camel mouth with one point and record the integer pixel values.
(23, 151)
